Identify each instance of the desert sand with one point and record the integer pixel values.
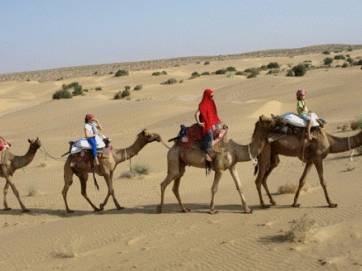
(136, 238)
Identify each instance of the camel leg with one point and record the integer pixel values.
(176, 186)
(6, 188)
(319, 167)
(83, 184)
(15, 191)
(214, 188)
(68, 181)
(109, 182)
(240, 189)
(301, 183)
(169, 178)
(263, 164)
(274, 161)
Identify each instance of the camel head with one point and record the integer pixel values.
(149, 137)
(264, 126)
(35, 143)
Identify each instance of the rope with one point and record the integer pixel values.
(253, 160)
(47, 153)
(352, 151)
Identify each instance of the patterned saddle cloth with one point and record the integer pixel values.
(189, 135)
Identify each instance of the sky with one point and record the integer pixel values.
(42, 34)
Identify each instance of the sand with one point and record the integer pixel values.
(137, 238)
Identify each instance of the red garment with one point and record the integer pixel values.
(208, 110)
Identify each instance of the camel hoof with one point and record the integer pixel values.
(70, 211)
(213, 212)
(101, 207)
(159, 209)
(264, 206)
(26, 211)
(120, 208)
(7, 209)
(185, 210)
(332, 205)
(273, 203)
(250, 211)
(296, 205)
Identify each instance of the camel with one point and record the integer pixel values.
(311, 152)
(10, 163)
(227, 159)
(105, 169)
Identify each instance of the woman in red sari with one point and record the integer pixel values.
(206, 117)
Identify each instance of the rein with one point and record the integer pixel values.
(253, 160)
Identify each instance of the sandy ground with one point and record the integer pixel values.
(136, 238)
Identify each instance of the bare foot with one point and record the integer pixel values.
(310, 137)
(207, 157)
(96, 162)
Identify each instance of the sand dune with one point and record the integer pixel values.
(136, 238)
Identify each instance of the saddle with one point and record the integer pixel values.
(291, 124)
(4, 144)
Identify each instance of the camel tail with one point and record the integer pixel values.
(256, 169)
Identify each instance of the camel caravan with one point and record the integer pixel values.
(205, 145)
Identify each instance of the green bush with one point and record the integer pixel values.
(339, 57)
(121, 73)
(205, 73)
(253, 74)
(299, 70)
(169, 82)
(359, 62)
(345, 65)
(98, 88)
(77, 90)
(230, 69)
(62, 94)
(273, 65)
(220, 72)
(141, 169)
(156, 73)
(239, 73)
(138, 87)
(327, 52)
(207, 63)
(195, 74)
(290, 73)
(328, 61)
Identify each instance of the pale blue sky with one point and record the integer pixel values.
(46, 34)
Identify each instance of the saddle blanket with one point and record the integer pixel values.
(295, 120)
(82, 144)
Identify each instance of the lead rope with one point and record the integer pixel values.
(253, 160)
(352, 151)
(125, 157)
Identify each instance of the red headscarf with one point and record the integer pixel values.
(208, 110)
(300, 93)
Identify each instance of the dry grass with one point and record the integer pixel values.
(301, 229)
(70, 250)
(32, 190)
(290, 188)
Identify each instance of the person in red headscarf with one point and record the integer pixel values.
(91, 128)
(206, 116)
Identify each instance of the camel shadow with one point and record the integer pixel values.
(198, 208)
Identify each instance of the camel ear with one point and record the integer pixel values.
(29, 140)
(145, 132)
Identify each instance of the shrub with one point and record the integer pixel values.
(339, 57)
(290, 73)
(239, 73)
(327, 52)
(138, 87)
(127, 88)
(73, 85)
(205, 73)
(301, 230)
(77, 90)
(230, 69)
(121, 73)
(169, 81)
(350, 61)
(328, 61)
(125, 93)
(345, 65)
(141, 169)
(273, 65)
(156, 73)
(62, 94)
(359, 62)
(299, 70)
(98, 88)
(207, 63)
(220, 72)
(253, 74)
(195, 74)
